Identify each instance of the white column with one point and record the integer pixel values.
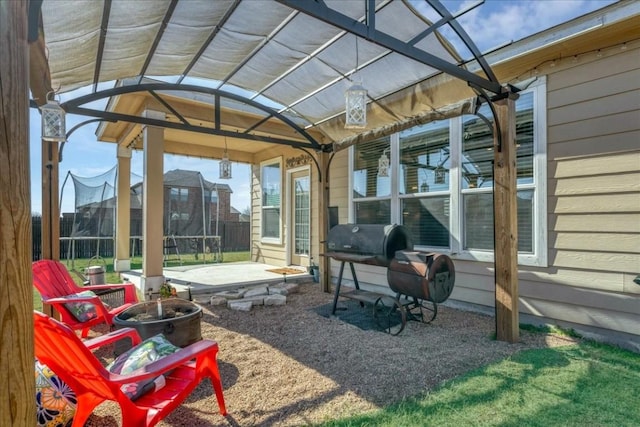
(152, 206)
(122, 261)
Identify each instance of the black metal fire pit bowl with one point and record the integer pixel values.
(180, 321)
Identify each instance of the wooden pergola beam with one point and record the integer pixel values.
(17, 379)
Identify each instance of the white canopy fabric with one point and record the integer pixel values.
(262, 49)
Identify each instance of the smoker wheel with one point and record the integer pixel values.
(422, 310)
(390, 315)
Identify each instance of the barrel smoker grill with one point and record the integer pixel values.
(420, 280)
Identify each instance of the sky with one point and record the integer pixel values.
(490, 25)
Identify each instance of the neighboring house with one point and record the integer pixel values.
(189, 198)
(191, 204)
(241, 217)
(578, 162)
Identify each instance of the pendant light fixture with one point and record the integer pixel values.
(356, 101)
(53, 121)
(225, 163)
(383, 164)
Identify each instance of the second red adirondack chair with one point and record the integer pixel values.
(57, 288)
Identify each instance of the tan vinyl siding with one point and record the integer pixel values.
(480, 275)
(593, 198)
(582, 315)
(367, 275)
(599, 126)
(606, 223)
(596, 260)
(593, 205)
(599, 242)
(595, 145)
(338, 184)
(619, 83)
(597, 184)
(605, 203)
(603, 164)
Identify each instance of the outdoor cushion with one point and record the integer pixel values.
(141, 355)
(84, 310)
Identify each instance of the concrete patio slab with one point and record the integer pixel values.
(211, 278)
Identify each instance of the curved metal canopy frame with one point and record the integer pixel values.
(74, 106)
(487, 88)
(367, 30)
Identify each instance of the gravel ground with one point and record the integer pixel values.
(289, 366)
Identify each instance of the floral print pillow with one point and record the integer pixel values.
(55, 401)
(141, 355)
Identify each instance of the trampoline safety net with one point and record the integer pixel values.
(190, 217)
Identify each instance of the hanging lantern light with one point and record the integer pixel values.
(356, 106)
(356, 101)
(225, 163)
(383, 164)
(53, 122)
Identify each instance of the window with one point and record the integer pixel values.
(371, 192)
(424, 183)
(477, 182)
(179, 208)
(440, 183)
(271, 184)
(211, 196)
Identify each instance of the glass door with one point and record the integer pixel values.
(301, 218)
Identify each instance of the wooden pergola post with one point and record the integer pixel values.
(505, 211)
(50, 194)
(323, 223)
(17, 379)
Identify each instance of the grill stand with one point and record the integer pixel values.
(420, 281)
(389, 313)
(339, 284)
(356, 294)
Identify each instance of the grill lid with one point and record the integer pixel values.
(376, 242)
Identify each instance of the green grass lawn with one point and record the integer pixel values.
(580, 385)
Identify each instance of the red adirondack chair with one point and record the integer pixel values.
(58, 347)
(57, 288)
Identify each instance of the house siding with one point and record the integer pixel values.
(593, 203)
(276, 253)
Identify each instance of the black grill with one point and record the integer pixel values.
(374, 244)
(420, 280)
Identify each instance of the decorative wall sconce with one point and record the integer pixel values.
(225, 163)
(383, 164)
(53, 121)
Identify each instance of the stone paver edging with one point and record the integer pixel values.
(243, 299)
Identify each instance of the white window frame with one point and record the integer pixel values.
(539, 257)
(271, 240)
